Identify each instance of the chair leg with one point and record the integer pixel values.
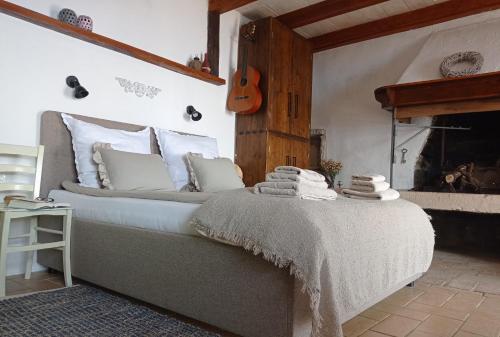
(67, 248)
(4, 238)
(32, 239)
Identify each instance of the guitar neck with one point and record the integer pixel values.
(245, 63)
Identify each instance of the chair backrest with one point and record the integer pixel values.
(35, 169)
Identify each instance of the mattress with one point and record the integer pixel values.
(158, 215)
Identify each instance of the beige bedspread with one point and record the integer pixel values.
(344, 251)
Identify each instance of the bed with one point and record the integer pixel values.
(158, 259)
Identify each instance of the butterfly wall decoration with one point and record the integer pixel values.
(140, 89)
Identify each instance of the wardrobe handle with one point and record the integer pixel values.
(296, 105)
(287, 160)
(294, 161)
(289, 104)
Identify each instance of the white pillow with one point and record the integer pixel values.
(85, 135)
(174, 147)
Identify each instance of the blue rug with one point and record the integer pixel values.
(87, 311)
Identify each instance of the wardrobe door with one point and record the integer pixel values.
(302, 87)
(280, 101)
(299, 152)
(278, 152)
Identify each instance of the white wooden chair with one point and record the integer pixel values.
(8, 214)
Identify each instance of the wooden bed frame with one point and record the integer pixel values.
(218, 284)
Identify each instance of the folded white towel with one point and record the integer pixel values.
(390, 194)
(369, 186)
(369, 177)
(294, 178)
(307, 174)
(293, 189)
(316, 197)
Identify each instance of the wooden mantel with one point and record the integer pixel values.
(476, 93)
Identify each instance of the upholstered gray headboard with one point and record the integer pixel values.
(59, 160)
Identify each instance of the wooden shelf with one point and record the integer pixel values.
(103, 41)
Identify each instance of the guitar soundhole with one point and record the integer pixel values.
(243, 82)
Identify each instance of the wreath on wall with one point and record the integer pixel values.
(474, 59)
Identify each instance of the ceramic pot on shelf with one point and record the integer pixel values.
(68, 16)
(85, 22)
(195, 63)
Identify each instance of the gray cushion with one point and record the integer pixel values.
(127, 171)
(213, 175)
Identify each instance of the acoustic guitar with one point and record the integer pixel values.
(245, 96)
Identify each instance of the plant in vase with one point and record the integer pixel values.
(331, 169)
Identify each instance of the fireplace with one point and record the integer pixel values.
(455, 167)
(457, 170)
(461, 155)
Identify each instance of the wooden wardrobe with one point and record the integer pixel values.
(278, 134)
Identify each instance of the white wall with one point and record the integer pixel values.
(35, 61)
(358, 130)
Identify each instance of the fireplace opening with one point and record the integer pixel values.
(458, 160)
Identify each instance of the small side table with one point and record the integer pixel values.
(7, 214)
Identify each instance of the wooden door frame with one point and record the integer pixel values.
(322, 134)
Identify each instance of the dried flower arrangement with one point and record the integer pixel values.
(330, 169)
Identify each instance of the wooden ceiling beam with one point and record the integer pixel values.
(323, 10)
(445, 11)
(223, 6)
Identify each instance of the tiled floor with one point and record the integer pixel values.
(466, 272)
(458, 297)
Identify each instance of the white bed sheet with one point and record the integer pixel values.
(166, 216)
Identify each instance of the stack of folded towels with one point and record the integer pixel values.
(370, 187)
(290, 181)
